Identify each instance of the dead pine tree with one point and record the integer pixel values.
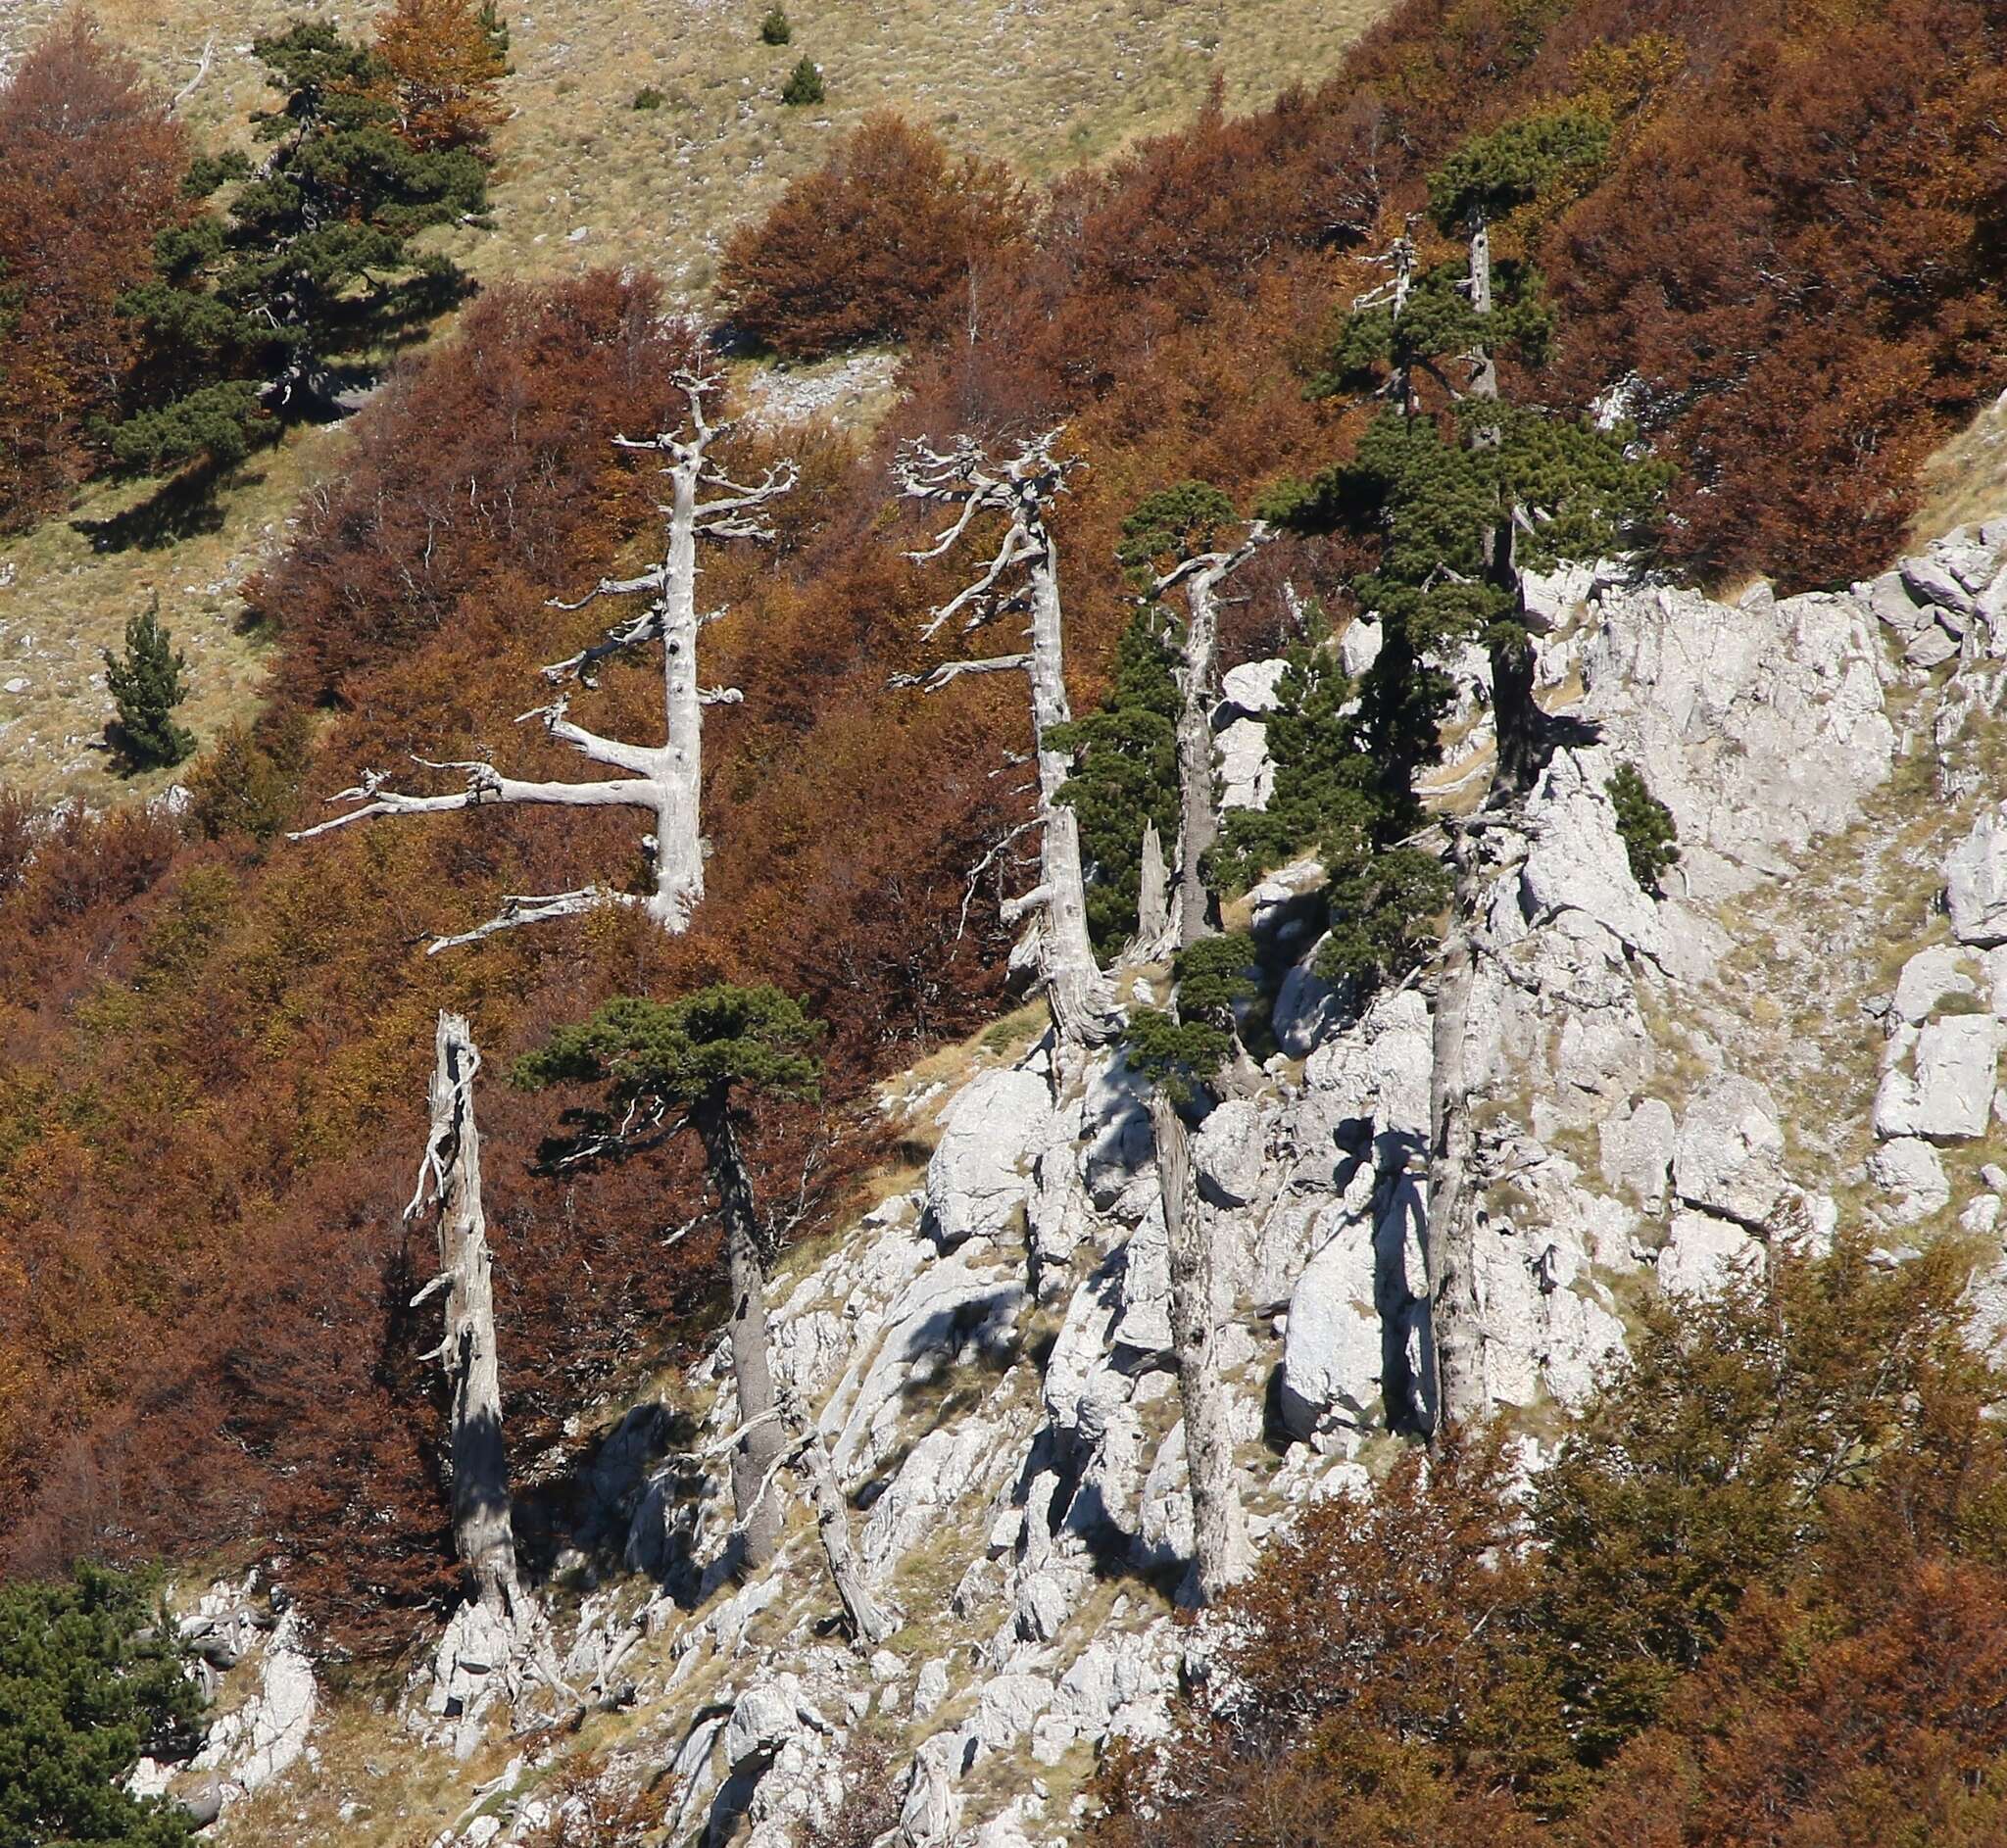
(1192, 532)
(501, 1625)
(1181, 1050)
(690, 1063)
(663, 780)
(1022, 579)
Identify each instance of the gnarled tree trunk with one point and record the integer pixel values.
(1074, 989)
(483, 1532)
(1219, 1526)
(757, 1454)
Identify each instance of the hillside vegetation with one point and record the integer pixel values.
(1784, 262)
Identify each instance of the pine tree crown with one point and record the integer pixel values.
(683, 1052)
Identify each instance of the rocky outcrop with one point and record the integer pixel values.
(987, 1352)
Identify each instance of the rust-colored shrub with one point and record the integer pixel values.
(891, 238)
(90, 168)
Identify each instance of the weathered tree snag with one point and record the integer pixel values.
(1198, 688)
(662, 780)
(1023, 578)
(1152, 896)
(756, 1456)
(1219, 1526)
(872, 1619)
(450, 1179)
(500, 1631)
(1455, 1321)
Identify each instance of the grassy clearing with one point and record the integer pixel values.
(63, 601)
(584, 179)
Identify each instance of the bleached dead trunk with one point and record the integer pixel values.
(872, 1619)
(1074, 989)
(1152, 896)
(663, 780)
(483, 1532)
(1218, 1523)
(761, 1445)
(1455, 1321)
(1198, 688)
(1083, 1011)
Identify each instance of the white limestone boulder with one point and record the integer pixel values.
(1727, 1160)
(1949, 1096)
(979, 1178)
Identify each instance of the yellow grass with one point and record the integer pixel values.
(584, 179)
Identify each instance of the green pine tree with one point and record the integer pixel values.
(1184, 1050)
(803, 84)
(695, 1062)
(91, 1678)
(274, 307)
(1649, 834)
(147, 683)
(774, 28)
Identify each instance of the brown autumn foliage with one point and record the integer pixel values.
(91, 171)
(1406, 1672)
(211, 1055)
(891, 238)
(446, 71)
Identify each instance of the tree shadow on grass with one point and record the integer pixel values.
(185, 506)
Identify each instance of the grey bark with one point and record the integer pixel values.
(661, 780)
(1198, 688)
(1456, 1322)
(1218, 1523)
(483, 1532)
(761, 1445)
(871, 1617)
(1023, 578)
(1152, 894)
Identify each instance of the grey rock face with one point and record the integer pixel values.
(1253, 688)
(980, 1175)
(1636, 1153)
(1909, 1169)
(1949, 1096)
(1727, 1158)
(1229, 1153)
(1926, 978)
(1247, 775)
(1704, 1252)
(1976, 882)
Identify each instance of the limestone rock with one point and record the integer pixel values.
(1228, 1152)
(979, 1177)
(1247, 775)
(1930, 648)
(1909, 1169)
(1636, 1153)
(1306, 1009)
(1976, 882)
(1577, 860)
(1889, 599)
(1703, 1252)
(944, 1466)
(1925, 979)
(1358, 647)
(1951, 1094)
(1332, 1359)
(1727, 1158)
(1254, 687)
(1759, 729)
(1930, 581)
